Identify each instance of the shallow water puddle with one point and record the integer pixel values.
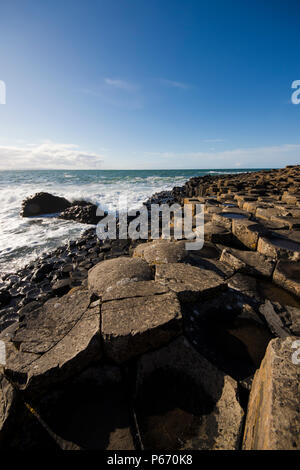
(236, 346)
(170, 410)
(253, 336)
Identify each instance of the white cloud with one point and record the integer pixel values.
(121, 84)
(48, 155)
(175, 84)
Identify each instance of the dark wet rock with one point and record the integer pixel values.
(42, 271)
(117, 272)
(5, 297)
(43, 203)
(273, 417)
(84, 213)
(61, 287)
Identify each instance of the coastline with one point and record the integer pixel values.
(249, 266)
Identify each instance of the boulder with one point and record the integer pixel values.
(43, 203)
(116, 273)
(189, 282)
(287, 275)
(133, 324)
(184, 402)
(273, 417)
(54, 342)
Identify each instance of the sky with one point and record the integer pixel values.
(149, 84)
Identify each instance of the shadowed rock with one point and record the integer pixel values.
(273, 418)
(184, 402)
(287, 275)
(283, 321)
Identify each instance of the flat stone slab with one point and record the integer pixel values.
(287, 275)
(135, 289)
(62, 347)
(273, 417)
(247, 232)
(134, 325)
(249, 262)
(189, 282)
(279, 247)
(117, 272)
(184, 402)
(41, 329)
(162, 251)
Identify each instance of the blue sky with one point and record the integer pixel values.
(149, 83)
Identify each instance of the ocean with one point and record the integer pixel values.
(24, 239)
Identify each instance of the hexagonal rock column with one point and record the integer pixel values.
(248, 262)
(287, 275)
(138, 317)
(184, 402)
(189, 282)
(54, 342)
(247, 232)
(273, 417)
(117, 272)
(216, 233)
(279, 247)
(162, 251)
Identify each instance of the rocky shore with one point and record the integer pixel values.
(140, 344)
